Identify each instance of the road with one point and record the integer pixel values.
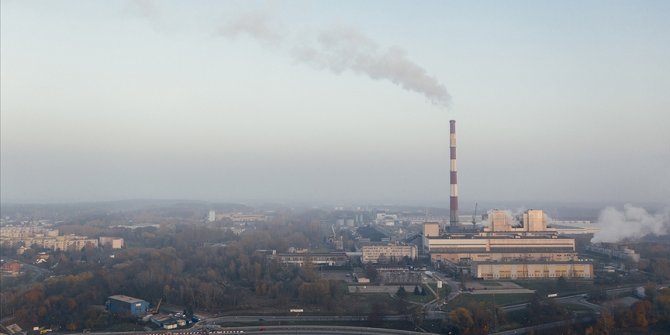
(296, 318)
(578, 299)
(544, 326)
(287, 330)
(454, 286)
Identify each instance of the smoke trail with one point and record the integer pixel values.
(148, 10)
(345, 48)
(255, 24)
(632, 222)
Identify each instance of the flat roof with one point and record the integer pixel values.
(498, 237)
(125, 298)
(529, 262)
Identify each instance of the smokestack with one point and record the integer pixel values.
(453, 201)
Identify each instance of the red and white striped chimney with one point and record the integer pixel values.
(453, 201)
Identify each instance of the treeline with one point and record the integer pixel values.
(474, 319)
(200, 268)
(654, 311)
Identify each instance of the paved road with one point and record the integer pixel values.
(578, 299)
(300, 318)
(454, 286)
(544, 326)
(287, 330)
(322, 330)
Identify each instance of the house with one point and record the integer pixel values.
(11, 267)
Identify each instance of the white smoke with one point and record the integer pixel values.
(344, 49)
(633, 222)
(257, 24)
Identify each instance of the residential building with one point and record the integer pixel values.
(384, 253)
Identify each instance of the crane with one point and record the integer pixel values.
(155, 311)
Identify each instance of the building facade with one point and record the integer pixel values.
(111, 242)
(325, 259)
(122, 304)
(532, 270)
(387, 253)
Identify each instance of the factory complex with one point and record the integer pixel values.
(505, 250)
(520, 247)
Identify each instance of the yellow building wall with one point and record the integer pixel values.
(532, 270)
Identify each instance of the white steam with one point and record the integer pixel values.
(633, 222)
(257, 25)
(344, 49)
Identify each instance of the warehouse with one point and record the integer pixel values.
(121, 304)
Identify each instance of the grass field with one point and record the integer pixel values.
(544, 287)
(443, 292)
(500, 299)
(420, 298)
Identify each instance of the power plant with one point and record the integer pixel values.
(453, 178)
(510, 247)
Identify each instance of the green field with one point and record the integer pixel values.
(499, 299)
(419, 298)
(545, 287)
(443, 292)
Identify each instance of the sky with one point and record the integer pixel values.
(334, 101)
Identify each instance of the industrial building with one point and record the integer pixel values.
(532, 270)
(122, 304)
(325, 259)
(384, 253)
(522, 248)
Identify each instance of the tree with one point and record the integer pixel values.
(376, 315)
(641, 313)
(371, 272)
(461, 318)
(416, 290)
(417, 315)
(401, 293)
(605, 324)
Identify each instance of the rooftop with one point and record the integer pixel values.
(126, 298)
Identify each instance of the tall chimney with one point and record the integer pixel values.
(453, 201)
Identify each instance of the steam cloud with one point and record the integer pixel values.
(255, 24)
(632, 222)
(345, 48)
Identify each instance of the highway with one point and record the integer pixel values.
(578, 299)
(544, 326)
(296, 318)
(280, 330)
(322, 330)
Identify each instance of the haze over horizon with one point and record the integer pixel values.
(334, 102)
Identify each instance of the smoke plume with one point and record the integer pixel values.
(345, 48)
(633, 222)
(256, 24)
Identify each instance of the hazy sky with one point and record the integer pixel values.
(335, 101)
